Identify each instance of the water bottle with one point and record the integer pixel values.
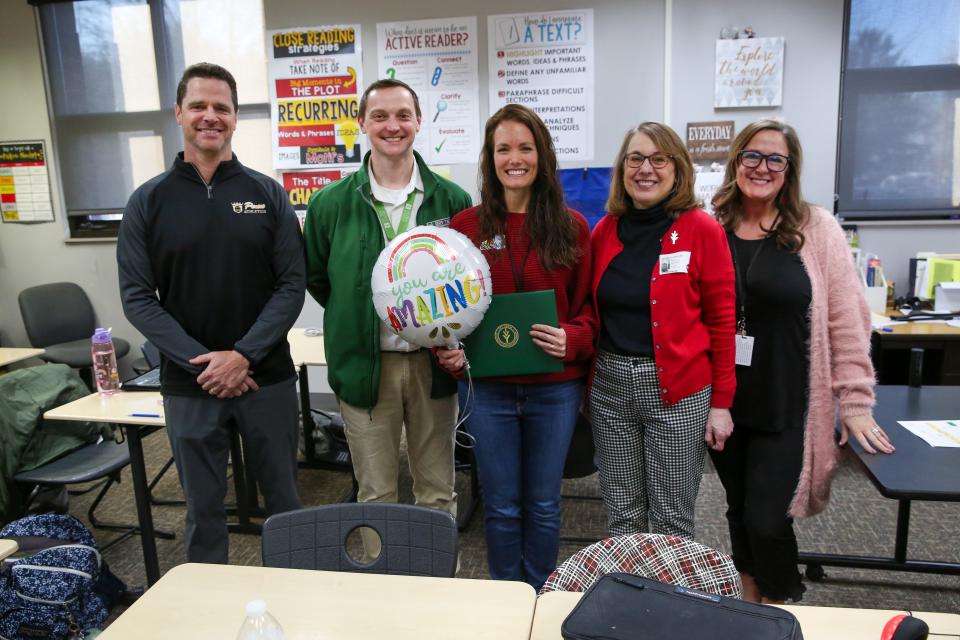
(105, 363)
(259, 624)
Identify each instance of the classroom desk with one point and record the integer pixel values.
(9, 355)
(119, 409)
(207, 601)
(916, 471)
(307, 351)
(890, 352)
(8, 548)
(817, 623)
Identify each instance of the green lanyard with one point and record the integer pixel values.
(404, 217)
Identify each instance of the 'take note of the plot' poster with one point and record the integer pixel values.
(315, 88)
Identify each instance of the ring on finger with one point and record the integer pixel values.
(876, 430)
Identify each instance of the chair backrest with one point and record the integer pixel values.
(56, 313)
(669, 559)
(415, 540)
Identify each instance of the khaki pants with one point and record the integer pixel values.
(374, 437)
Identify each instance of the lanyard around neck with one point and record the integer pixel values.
(388, 229)
(517, 276)
(741, 283)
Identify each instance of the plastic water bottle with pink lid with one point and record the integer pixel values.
(105, 363)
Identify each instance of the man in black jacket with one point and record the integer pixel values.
(212, 272)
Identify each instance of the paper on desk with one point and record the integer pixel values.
(936, 433)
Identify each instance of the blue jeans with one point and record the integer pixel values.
(523, 432)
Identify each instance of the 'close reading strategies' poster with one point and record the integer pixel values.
(315, 87)
(545, 61)
(438, 59)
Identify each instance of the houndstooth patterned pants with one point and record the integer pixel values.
(651, 456)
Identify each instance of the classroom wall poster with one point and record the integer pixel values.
(705, 186)
(546, 62)
(315, 87)
(301, 185)
(24, 182)
(438, 59)
(710, 141)
(749, 73)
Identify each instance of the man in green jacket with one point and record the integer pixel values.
(382, 381)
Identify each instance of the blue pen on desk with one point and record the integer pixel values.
(144, 415)
(887, 329)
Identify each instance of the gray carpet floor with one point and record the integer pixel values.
(858, 520)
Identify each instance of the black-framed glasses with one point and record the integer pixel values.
(657, 160)
(775, 162)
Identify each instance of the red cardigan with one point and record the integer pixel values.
(571, 287)
(692, 313)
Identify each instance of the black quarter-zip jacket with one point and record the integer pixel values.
(212, 267)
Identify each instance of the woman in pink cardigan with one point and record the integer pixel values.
(803, 342)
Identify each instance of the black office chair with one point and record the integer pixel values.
(580, 464)
(415, 541)
(150, 359)
(59, 318)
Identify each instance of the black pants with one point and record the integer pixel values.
(759, 471)
(198, 428)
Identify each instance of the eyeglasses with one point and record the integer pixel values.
(657, 160)
(775, 162)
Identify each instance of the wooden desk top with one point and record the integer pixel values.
(920, 328)
(9, 355)
(118, 408)
(306, 350)
(207, 601)
(7, 548)
(817, 623)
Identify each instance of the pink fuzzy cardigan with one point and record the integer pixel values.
(841, 374)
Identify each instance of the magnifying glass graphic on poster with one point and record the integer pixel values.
(441, 107)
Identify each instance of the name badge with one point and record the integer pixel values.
(744, 350)
(677, 262)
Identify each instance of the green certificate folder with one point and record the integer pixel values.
(501, 345)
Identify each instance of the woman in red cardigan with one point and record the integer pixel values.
(663, 380)
(523, 423)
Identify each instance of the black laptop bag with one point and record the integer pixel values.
(622, 606)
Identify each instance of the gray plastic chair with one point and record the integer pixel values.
(416, 541)
(100, 461)
(59, 318)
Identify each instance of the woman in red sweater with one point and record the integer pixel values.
(523, 424)
(664, 376)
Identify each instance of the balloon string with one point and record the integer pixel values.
(461, 437)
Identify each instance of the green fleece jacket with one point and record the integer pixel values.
(343, 239)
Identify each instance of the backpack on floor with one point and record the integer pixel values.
(61, 587)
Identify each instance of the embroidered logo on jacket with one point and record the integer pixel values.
(248, 207)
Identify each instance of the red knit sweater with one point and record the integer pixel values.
(571, 287)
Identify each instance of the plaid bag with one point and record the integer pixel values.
(59, 591)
